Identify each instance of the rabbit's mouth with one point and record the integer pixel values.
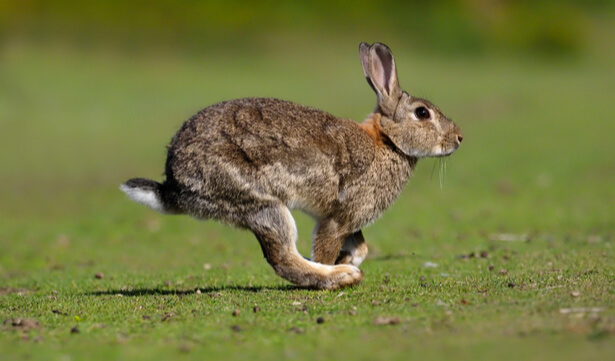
(450, 144)
(444, 150)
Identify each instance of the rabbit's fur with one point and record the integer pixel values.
(247, 162)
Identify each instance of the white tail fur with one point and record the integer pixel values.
(145, 197)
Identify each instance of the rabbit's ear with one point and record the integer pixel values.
(364, 54)
(381, 73)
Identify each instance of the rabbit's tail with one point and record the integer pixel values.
(149, 193)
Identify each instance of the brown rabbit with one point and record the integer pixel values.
(248, 162)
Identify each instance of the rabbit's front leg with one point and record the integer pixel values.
(354, 250)
(275, 229)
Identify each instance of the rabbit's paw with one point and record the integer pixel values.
(353, 252)
(341, 276)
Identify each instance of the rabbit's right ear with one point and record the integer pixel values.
(381, 74)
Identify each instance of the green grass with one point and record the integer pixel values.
(537, 162)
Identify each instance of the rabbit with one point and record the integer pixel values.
(248, 162)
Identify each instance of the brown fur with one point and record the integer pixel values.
(371, 126)
(248, 162)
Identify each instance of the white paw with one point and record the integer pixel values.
(357, 260)
(343, 276)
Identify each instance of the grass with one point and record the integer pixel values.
(536, 166)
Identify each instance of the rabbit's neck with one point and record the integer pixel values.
(371, 126)
(392, 169)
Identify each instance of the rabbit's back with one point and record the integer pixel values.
(260, 149)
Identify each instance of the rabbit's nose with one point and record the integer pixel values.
(459, 138)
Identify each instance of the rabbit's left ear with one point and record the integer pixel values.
(381, 74)
(364, 54)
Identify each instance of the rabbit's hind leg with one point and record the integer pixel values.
(276, 231)
(354, 250)
(329, 237)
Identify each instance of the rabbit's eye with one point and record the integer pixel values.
(422, 113)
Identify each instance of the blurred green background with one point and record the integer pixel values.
(92, 91)
(442, 26)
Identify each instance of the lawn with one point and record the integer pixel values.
(503, 251)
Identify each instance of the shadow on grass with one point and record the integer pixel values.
(388, 257)
(211, 291)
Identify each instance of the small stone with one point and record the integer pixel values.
(167, 283)
(22, 323)
(502, 271)
(441, 303)
(185, 348)
(296, 330)
(256, 309)
(575, 294)
(99, 275)
(167, 316)
(74, 329)
(379, 321)
(484, 254)
(581, 310)
(320, 320)
(491, 267)
(236, 312)
(198, 291)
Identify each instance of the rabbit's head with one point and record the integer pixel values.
(415, 126)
